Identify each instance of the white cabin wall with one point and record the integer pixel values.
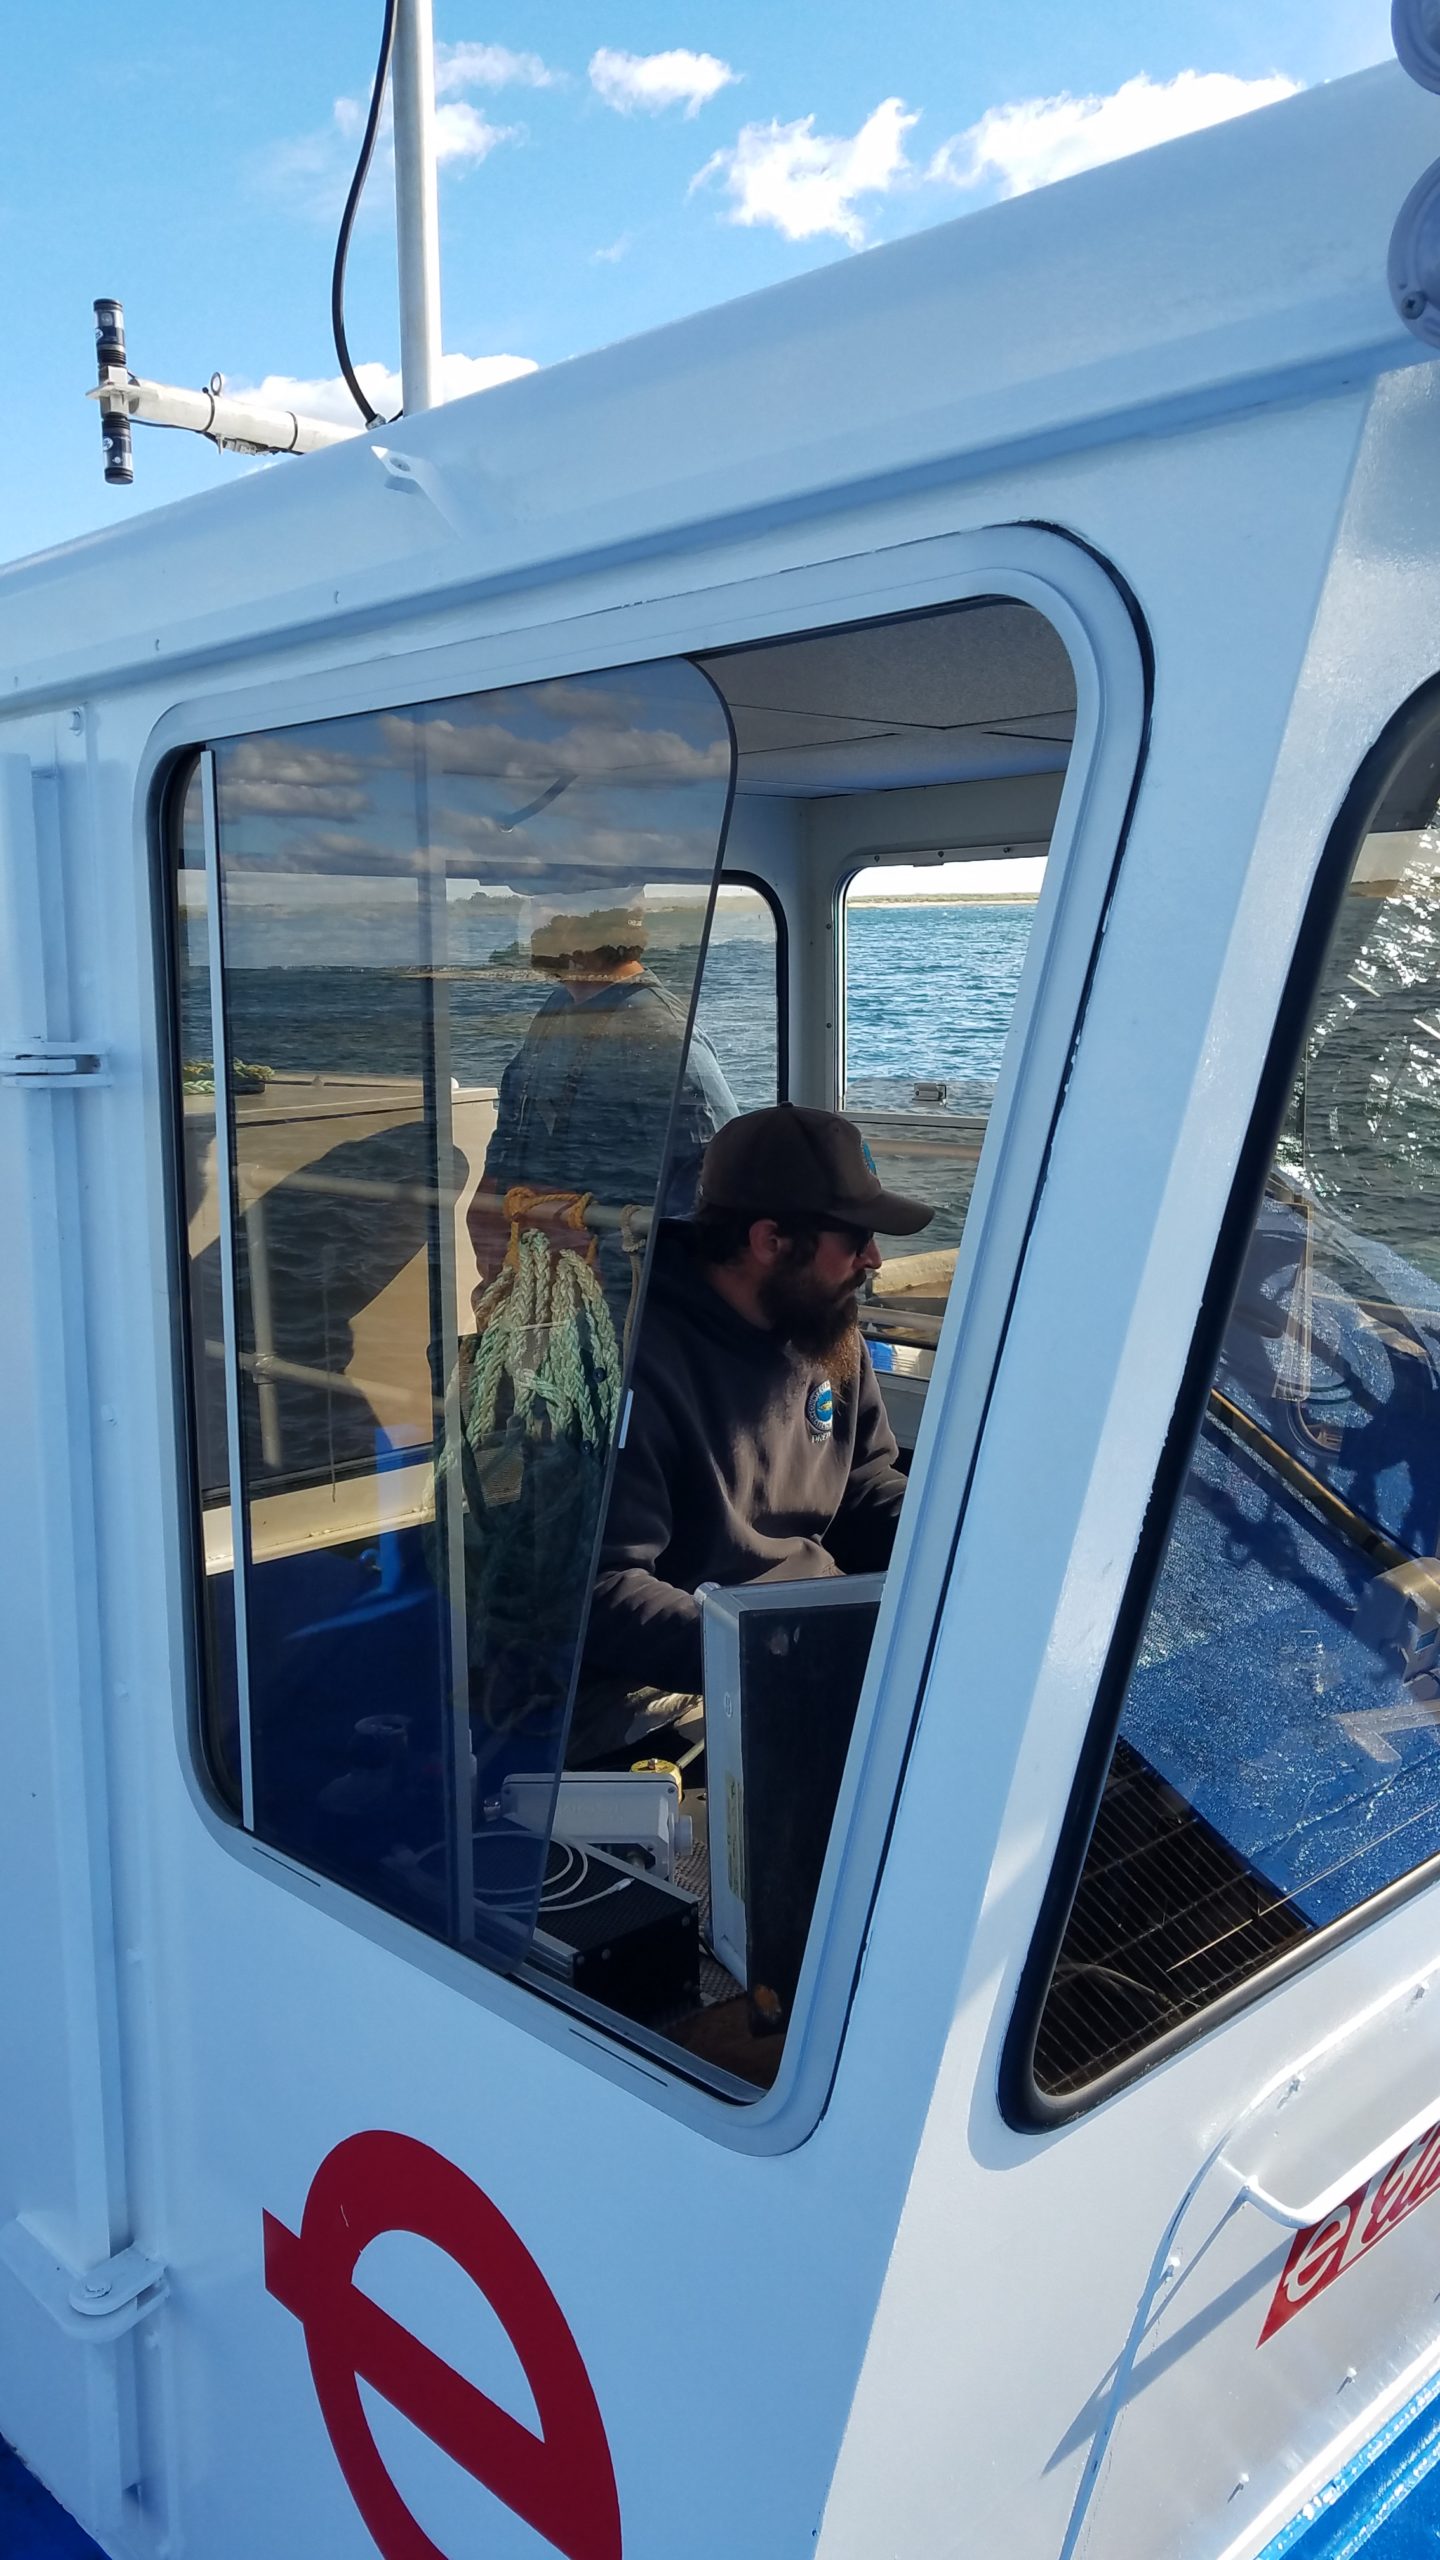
(1287, 567)
(233, 1960)
(65, 2197)
(230, 1963)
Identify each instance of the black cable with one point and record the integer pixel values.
(371, 416)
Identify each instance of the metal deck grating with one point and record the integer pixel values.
(1165, 1919)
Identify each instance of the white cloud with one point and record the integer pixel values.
(279, 759)
(590, 750)
(330, 397)
(652, 82)
(806, 183)
(268, 777)
(617, 249)
(462, 133)
(488, 66)
(311, 173)
(1028, 144)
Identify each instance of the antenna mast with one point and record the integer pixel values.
(417, 206)
(235, 422)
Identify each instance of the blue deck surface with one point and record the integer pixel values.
(32, 2527)
(1386, 2503)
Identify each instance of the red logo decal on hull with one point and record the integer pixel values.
(562, 2482)
(1322, 2253)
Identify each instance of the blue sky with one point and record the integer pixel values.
(608, 168)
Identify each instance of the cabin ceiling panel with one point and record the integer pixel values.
(947, 697)
(982, 662)
(897, 762)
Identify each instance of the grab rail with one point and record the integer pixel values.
(1318, 2208)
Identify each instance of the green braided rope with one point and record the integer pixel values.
(538, 1391)
(552, 1303)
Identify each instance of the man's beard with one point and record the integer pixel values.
(823, 1329)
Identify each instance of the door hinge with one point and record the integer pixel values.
(53, 1063)
(89, 2303)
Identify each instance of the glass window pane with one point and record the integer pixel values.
(739, 1011)
(460, 945)
(1279, 1752)
(933, 957)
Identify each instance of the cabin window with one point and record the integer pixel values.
(742, 1009)
(1278, 1759)
(462, 991)
(931, 959)
(842, 736)
(458, 948)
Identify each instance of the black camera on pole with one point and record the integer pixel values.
(113, 375)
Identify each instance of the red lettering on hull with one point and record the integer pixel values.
(1322, 2253)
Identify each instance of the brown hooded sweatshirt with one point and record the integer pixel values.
(739, 1465)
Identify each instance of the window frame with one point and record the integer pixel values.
(1001, 849)
(751, 880)
(756, 601)
(1024, 2105)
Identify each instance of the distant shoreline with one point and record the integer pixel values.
(953, 898)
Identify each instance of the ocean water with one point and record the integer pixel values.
(361, 1021)
(929, 995)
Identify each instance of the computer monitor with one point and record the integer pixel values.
(784, 1666)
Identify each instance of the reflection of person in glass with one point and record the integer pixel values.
(585, 1102)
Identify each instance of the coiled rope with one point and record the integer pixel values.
(543, 1330)
(538, 1394)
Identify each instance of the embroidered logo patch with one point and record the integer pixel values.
(865, 1151)
(820, 1410)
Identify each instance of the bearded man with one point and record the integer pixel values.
(757, 1446)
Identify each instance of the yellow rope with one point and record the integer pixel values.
(567, 1208)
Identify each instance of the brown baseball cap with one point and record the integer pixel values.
(789, 1161)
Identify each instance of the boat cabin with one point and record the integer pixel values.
(944, 2074)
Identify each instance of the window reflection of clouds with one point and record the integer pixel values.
(615, 701)
(279, 758)
(275, 777)
(533, 781)
(589, 752)
(294, 800)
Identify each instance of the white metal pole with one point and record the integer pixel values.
(417, 209)
(226, 417)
